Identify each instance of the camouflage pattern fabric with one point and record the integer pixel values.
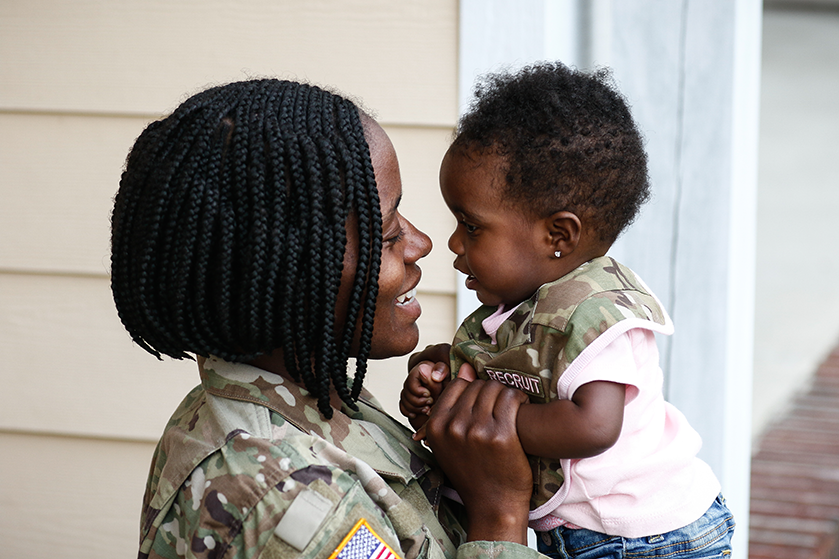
(247, 446)
(541, 339)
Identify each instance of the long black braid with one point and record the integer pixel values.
(229, 232)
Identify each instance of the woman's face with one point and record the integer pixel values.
(395, 330)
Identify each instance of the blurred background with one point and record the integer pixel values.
(736, 99)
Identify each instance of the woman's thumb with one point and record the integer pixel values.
(467, 372)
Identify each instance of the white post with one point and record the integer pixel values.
(691, 72)
(741, 267)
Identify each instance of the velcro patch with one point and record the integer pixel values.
(529, 384)
(304, 516)
(363, 543)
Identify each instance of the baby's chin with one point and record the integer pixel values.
(489, 300)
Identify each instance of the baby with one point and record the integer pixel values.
(546, 170)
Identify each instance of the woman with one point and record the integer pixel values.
(258, 227)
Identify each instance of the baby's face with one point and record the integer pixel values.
(502, 250)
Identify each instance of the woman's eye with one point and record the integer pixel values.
(469, 228)
(396, 238)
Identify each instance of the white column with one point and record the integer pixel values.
(691, 72)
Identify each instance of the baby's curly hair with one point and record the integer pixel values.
(568, 141)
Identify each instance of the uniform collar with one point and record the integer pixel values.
(238, 381)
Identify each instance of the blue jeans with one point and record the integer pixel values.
(710, 536)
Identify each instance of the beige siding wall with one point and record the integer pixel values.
(81, 406)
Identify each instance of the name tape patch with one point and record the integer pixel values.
(529, 384)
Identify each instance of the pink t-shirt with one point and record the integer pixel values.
(650, 482)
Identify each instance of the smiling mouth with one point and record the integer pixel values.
(407, 297)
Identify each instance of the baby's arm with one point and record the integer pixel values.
(584, 426)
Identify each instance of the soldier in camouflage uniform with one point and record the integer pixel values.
(258, 227)
(546, 170)
(247, 467)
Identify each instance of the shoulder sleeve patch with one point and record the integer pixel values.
(302, 519)
(363, 543)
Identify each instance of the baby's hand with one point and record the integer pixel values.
(466, 372)
(437, 353)
(425, 382)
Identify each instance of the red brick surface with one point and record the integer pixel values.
(795, 476)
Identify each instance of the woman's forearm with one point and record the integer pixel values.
(472, 431)
(503, 523)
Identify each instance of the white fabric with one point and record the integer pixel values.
(650, 482)
(493, 322)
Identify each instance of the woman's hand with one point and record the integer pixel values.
(472, 431)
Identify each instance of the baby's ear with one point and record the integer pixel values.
(564, 229)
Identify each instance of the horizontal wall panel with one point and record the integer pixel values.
(58, 177)
(71, 498)
(70, 367)
(67, 356)
(142, 56)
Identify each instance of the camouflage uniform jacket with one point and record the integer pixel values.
(247, 467)
(556, 331)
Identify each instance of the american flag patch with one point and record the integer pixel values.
(363, 543)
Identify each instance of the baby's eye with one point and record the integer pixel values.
(469, 228)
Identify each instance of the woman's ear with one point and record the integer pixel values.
(564, 229)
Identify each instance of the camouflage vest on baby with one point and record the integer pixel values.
(541, 339)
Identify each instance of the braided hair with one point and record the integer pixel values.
(229, 232)
(568, 142)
